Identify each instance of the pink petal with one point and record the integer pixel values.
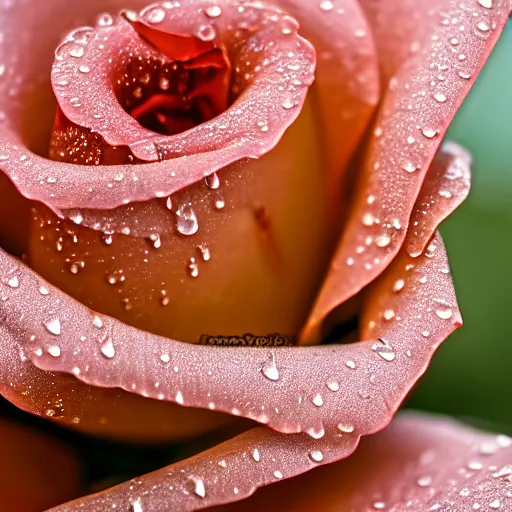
(418, 463)
(194, 153)
(420, 102)
(64, 336)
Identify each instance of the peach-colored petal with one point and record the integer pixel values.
(346, 89)
(418, 463)
(420, 102)
(36, 471)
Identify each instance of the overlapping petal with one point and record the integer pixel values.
(418, 463)
(421, 99)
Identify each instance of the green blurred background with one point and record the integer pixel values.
(471, 375)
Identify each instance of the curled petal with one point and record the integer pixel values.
(420, 102)
(311, 390)
(418, 463)
(270, 100)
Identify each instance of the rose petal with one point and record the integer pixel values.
(420, 102)
(36, 471)
(446, 187)
(288, 388)
(418, 463)
(273, 99)
(346, 87)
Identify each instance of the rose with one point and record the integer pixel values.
(395, 157)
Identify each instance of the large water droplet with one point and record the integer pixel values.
(318, 400)
(54, 350)
(444, 312)
(13, 282)
(186, 222)
(107, 349)
(345, 428)
(486, 3)
(197, 485)
(256, 455)
(212, 181)
(155, 15)
(269, 369)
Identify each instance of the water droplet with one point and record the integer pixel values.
(165, 358)
(77, 52)
(256, 455)
(213, 11)
(288, 104)
(383, 240)
(475, 466)
(43, 290)
(486, 3)
(54, 350)
(107, 349)
(504, 471)
(278, 474)
(197, 485)
(105, 20)
(212, 181)
(205, 252)
(332, 385)
(53, 326)
(316, 433)
(186, 220)
(398, 285)
(466, 76)
(346, 428)
(219, 202)
(206, 33)
(97, 322)
(155, 15)
(179, 398)
(389, 314)
(440, 97)
(316, 456)
(350, 364)
(495, 504)
(326, 5)
(483, 26)
(318, 400)
(384, 349)
(137, 506)
(424, 481)
(193, 269)
(444, 312)
(84, 69)
(13, 282)
(430, 133)
(379, 505)
(269, 369)
(410, 167)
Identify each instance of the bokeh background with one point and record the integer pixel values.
(471, 375)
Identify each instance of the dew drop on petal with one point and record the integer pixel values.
(107, 349)
(197, 485)
(278, 474)
(316, 456)
(326, 5)
(440, 97)
(384, 349)
(346, 428)
(332, 385)
(256, 455)
(155, 15)
(214, 11)
(54, 350)
(186, 223)
(269, 369)
(53, 326)
(444, 312)
(318, 400)
(212, 181)
(486, 3)
(165, 358)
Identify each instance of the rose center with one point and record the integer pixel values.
(171, 97)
